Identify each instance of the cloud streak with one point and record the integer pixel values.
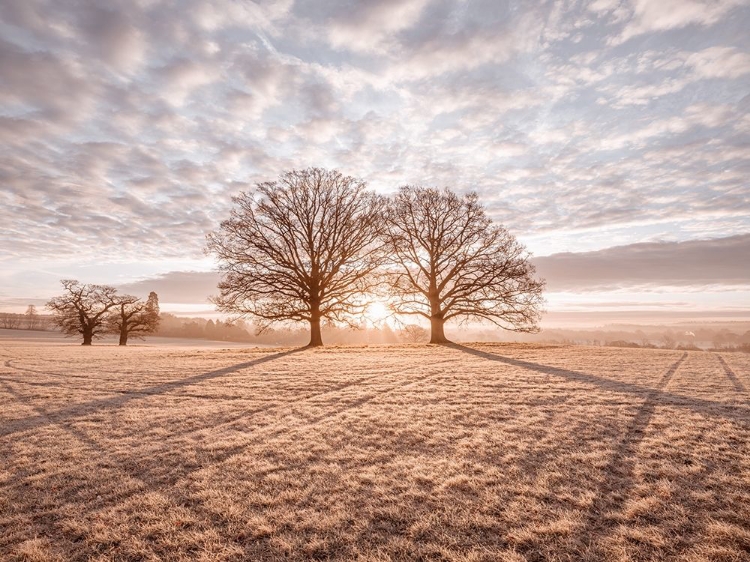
(183, 287)
(715, 262)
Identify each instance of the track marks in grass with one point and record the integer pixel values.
(618, 475)
(738, 386)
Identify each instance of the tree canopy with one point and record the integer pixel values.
(303, 248)
(448, 260)
(133, 317)
(82, 309)
(94, 310)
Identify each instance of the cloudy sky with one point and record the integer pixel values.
(612, 136)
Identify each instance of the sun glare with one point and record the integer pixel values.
(377, 312)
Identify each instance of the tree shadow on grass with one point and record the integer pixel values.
(732, 412)
(615, 488)
(617, 483)
(148, 472)
(85, 408)
(738, 386)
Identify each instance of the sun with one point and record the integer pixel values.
(377, 312)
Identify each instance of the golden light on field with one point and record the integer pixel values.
(510, 450)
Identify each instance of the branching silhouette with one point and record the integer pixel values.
(133, 317)
(449, 260)
(302, 249)
(32, 317)
(83, 309)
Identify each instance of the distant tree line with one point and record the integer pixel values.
(174, 326)
(242, 332)
(30, 320)
(91, 311)
(703, 338)
(316, 246)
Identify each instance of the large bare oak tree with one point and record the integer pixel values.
(83, 309)
(449, 260)
(303, 248)
(132, 317)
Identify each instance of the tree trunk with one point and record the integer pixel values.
(437, 332)
(123, 336)
(88, 335)
(316, 339)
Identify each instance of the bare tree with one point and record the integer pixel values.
(414, 333)
(449, 260)
(83, 309)
(668, 340)
(32, 318)
(301, 249)
(133, 317)
(10, 321)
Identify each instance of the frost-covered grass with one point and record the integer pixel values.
(477, 452)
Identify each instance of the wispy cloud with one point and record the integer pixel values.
(648, 16)
(127, 126)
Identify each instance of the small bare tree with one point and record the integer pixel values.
(32, 317)
(301, 249)
(413, 333)
(449, 260)
(83, 309)
(10, 321)
(133, 317)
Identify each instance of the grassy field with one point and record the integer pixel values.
(476, 452)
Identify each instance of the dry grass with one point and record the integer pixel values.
(484, 452)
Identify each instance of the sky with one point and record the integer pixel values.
(612, 137)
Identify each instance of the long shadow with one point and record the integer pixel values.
(614, 489)
(81, 409)
(618, 476)
(131, 468)
(144, 470)
(733, 412)
(738, 386)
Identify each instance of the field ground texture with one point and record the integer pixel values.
(476, 452)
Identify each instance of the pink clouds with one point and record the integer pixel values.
(127, 127)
